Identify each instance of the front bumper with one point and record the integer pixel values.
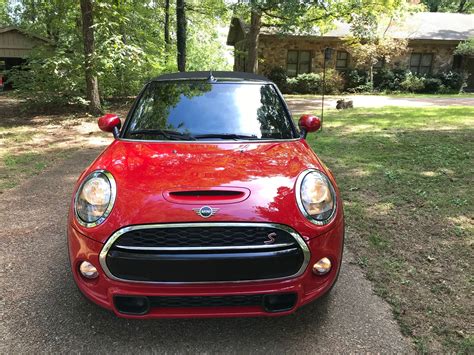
(306, 287)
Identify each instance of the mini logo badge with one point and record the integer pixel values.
(271, 238)
(205, 211)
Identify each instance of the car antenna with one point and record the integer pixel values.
(211, 77)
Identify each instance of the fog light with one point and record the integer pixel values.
(322, 267)
(88, 270)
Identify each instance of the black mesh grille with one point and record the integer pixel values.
(179, 254)
(203, 237)
(206, 301)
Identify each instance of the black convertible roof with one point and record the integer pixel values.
(217, 75)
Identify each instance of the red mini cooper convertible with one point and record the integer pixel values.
(209, 203)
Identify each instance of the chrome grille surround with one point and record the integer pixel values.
(110, 242)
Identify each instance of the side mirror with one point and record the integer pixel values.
(110, 123)
(309, 123)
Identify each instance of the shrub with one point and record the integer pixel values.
(355, 80)
(279, 77)
(389, 80)
(49, 79)
(465, 48)
(432, 85)
(404, 80)
(446, 82)
(453, 81)
(334, 82)
(413, 83)
(312, 83)
(367, 87)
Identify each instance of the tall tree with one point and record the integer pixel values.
(129, 46)
(303, 16)
(282, 15)
(4, 16)
(254, 34)
(181, 34)
(92, 85)
(465, 6)
(370, 42)
(205, 48)
(167, 22)
(461, 6)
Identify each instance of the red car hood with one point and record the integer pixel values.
(146, 172)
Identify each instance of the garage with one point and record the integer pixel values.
(15, 46)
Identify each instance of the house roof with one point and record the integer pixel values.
(237, 31)
(24, 32)
(422, 25)
(417, 26)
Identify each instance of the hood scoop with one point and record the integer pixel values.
(200, 196)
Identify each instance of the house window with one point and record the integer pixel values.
(420, 63)
(298, 62)
(342, 60)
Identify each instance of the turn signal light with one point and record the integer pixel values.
(88, 270)
(322, 266)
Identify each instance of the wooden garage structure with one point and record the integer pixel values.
(15, 46)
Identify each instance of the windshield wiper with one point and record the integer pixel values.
(225, 136)
(168, 134)
(174, 135)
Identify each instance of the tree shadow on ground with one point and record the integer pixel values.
(408, 199)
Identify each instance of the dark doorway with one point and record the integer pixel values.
(469, 68)
(7, 64)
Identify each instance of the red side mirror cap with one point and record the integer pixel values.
(110, 123)
(309, 123)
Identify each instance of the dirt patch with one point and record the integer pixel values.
(33, 139)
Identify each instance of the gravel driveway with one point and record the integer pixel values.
(299, 104)
(42, 311)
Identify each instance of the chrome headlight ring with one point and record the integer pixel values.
(109, 179)
(299, 198)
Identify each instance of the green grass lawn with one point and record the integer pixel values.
(429, 96)
(406, 176)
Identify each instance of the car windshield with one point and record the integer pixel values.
(186, 110)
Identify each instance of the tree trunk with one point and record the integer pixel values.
(254, 34)
(461, 7)
(92, 86)
(167, 22)
(181, 34)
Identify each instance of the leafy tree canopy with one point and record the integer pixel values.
(465, 48)
(308, 16)
(130, 46)
(461, 6)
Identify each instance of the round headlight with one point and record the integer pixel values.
(316, 197)
(95, 198)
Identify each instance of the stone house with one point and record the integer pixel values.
(432, 39)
